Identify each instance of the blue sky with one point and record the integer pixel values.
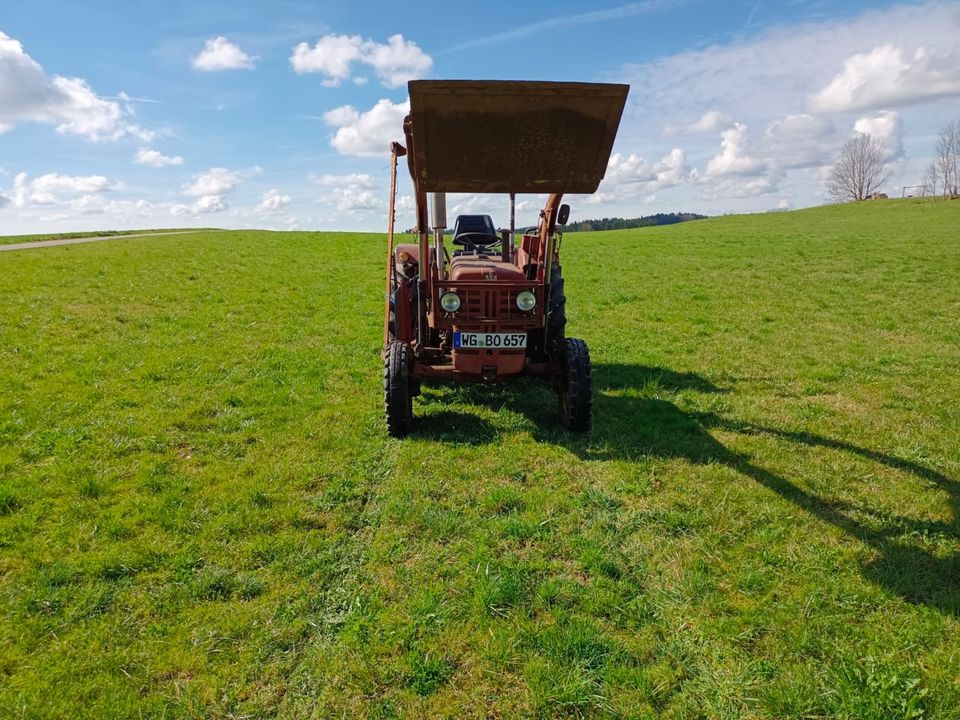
(277, 114)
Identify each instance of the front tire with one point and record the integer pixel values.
(397, 398)
(576, 392)
(556, 313)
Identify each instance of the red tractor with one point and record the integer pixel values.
(494, 308)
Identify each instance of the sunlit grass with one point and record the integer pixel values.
(201, 513)
(39, 237)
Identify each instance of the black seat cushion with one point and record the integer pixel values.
(474, 224)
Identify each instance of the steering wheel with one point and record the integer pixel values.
(478, 240)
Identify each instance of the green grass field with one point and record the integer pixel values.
(11, 239)
(201, 514)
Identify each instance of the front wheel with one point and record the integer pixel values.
(397, 398)
(576, 393)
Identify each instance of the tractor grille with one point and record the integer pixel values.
(497, 305)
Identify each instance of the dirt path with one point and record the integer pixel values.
(75, 241)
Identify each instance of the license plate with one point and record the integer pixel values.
(489, 340)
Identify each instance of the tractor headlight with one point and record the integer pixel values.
(526, 300)
(450, 302)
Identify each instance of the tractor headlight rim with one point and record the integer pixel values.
(526, 300)
(450, 302)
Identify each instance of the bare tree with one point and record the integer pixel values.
(860, 171)
(947, 159)
(931, 179)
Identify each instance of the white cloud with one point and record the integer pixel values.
(797, 141)
(367, 134)
(733, 158)
(273, 199)
(710, 121)
(21, 192)
(768, 80)
(4, 199)
(89, 204)
(210, 204)
(887, 76)
(359, 180)
(740, 187)
(351, 199)
(885, 127)
(55, 183)
(398, 61)
(395, 62)
(28, 95)
(205, 205)
(468, 204)
(631, 174)
(776, 72)
(154, 158)
(215, 181)
(340, 116)
(209, 188)
(49, 189)
(220, 54)
(632, 177)
(333, 56)
(351, 193)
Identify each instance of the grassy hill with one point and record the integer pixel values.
(201, 514)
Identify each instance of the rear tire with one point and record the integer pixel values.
(576, 392)
(397, 398)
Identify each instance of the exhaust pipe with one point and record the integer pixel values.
(438, 203)
(506, 246)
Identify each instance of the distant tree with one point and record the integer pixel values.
(947, 159)
(860, 171)
(618, 223)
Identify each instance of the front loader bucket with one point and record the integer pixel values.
(508, 136)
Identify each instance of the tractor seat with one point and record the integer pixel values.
(474, 224)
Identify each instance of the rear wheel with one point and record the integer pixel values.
(397, 398)
(576, 393)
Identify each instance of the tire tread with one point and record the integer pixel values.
(577, 386)
(397, 399)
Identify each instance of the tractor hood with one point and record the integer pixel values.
(507, 136)
(484, 268)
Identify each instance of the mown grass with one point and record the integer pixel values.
(11, 239)
(201, 514)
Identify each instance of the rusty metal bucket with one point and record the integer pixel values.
(508, 136)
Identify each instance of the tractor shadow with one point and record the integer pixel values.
(453, 428)
(629, 423)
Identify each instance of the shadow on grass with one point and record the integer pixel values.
(629, 423)
(453, 427)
